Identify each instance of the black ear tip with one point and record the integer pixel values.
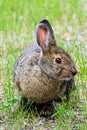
(44, 21)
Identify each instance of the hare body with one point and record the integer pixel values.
(44, 71)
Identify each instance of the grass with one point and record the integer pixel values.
(17, 26)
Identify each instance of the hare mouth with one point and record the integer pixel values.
(66, 78)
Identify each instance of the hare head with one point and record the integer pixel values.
(54, 61)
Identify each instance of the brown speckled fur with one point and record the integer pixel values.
(37, 75)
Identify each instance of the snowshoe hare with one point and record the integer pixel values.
(44, 72)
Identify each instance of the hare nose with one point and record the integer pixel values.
(74, 72)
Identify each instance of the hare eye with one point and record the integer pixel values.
(58, 60)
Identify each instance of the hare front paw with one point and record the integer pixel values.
(46, 110)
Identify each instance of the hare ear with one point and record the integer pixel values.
(45, 36)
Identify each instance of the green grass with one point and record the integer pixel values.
(18, 20)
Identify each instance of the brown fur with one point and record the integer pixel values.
(37, 75)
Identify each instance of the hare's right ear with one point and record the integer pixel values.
(45, 36)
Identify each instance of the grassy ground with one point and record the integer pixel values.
(18, 20)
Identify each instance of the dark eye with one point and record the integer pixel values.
(58, 60)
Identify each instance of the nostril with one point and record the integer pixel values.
(74, 72)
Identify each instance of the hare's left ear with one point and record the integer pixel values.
(45, 36)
